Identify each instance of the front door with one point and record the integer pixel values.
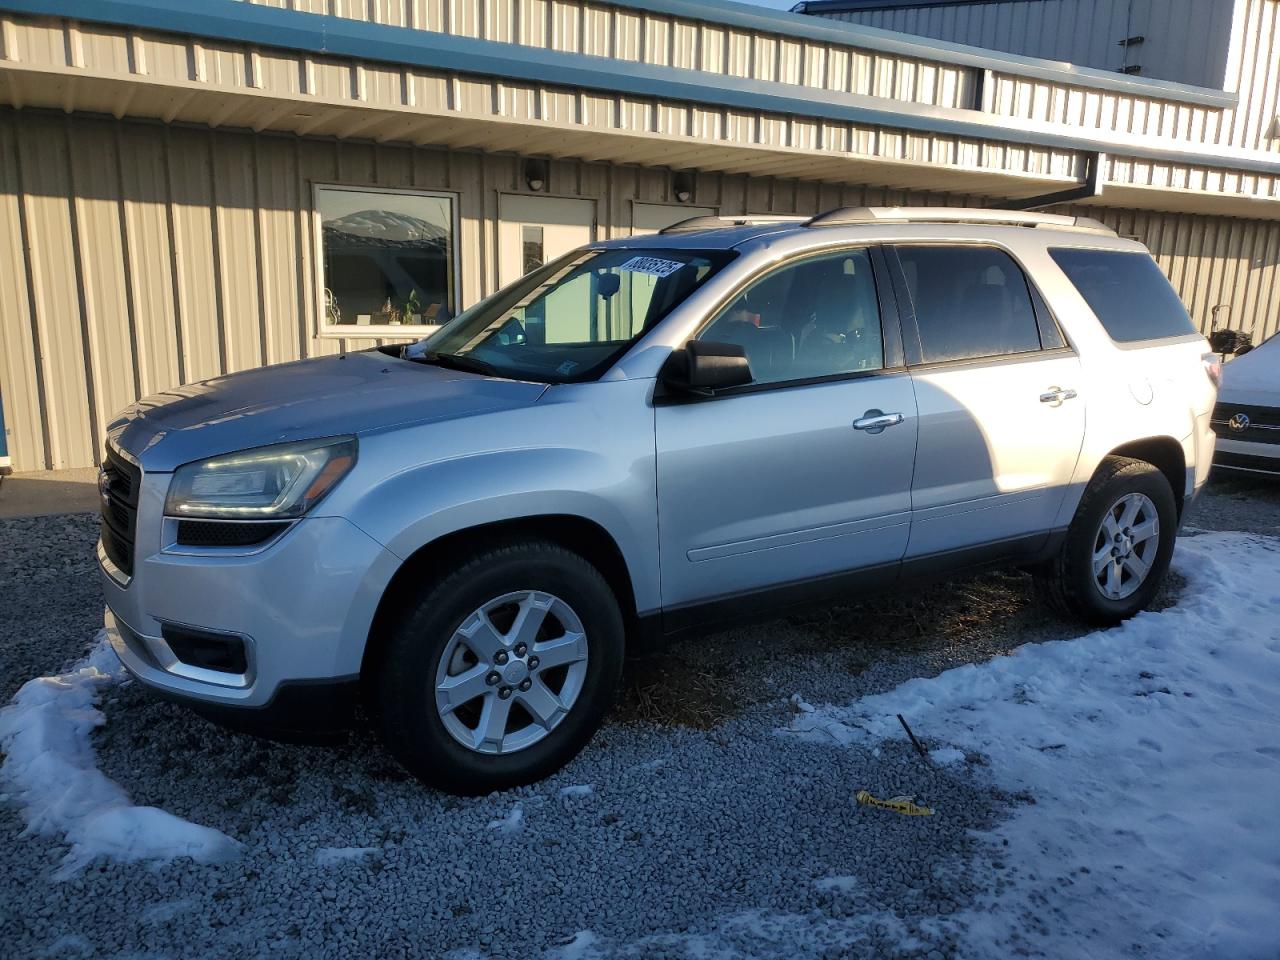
(535, 230)
(1001, 419)
(804, 475)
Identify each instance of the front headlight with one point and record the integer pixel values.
(270, 483)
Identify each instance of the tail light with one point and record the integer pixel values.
(1213, 367)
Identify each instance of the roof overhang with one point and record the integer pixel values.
(327, 35)
(814, 134)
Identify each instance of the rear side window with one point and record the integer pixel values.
(1127, 292)
(969, 302)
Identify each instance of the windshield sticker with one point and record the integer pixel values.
(653, 266)
(566, 368)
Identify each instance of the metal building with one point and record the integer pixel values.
(193, 187)
(1183, 40)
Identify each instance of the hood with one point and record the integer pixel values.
(1254, 379)
(330, 396)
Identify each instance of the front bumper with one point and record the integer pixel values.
(1247, 457)
(302, 605)
(298, 711)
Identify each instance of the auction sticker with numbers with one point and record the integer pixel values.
(653, 266)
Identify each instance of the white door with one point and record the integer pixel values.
(997, 390)
(535, 230)
(652, 217)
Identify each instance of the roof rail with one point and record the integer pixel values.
(848, 216)
(694, 224)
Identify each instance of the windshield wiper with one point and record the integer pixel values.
(458, 362)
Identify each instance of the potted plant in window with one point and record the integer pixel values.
(412, 309)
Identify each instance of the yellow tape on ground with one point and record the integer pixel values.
(903, 805)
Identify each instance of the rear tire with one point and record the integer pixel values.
(500, 671)
(1118, 546)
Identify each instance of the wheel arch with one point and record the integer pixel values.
(583, 536)
(1166, 455)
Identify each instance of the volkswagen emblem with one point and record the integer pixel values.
(1239, 423)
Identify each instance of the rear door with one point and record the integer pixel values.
(998, 394)
(804, 475)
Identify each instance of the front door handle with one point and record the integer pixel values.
(875, 421)
(1056, 395)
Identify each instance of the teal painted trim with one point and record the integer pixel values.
(313, 33)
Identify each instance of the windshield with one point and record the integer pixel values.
(573, 318)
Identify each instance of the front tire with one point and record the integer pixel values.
(500, 671)
(1118, 547)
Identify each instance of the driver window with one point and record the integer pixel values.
(816, 318)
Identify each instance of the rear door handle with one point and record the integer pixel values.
(1057, 395)
(875, 421)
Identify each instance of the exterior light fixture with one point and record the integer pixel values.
(682, 186)
(535, 175)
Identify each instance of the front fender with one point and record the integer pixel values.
(606, 477)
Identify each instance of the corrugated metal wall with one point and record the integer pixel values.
(607, 30)
(149, 256)
(1191, 41)
(1185, 40)
(239, 85)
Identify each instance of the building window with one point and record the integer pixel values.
(531, 242)
(388, 259)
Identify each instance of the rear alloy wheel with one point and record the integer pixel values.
(1118, 546)
(500, 671)
(1126, 545)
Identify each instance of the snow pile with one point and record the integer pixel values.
(577, 791)
(50, 770)
(1153, 754)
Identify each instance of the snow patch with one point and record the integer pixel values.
(578, 790)
(837, 884)
(946, 755)
(579, 948)
(1151, 750)
(753, 933)
(51, 772)
(162, 913)
(328, 856)
(511, 823)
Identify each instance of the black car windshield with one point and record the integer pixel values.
(573, 318)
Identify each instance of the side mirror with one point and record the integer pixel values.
(704, 366)
(608, 284)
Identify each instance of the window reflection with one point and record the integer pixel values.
(388, 257)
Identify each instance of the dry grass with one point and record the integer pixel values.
(702, 681)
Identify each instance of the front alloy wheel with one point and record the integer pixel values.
(511, 672)
(499, 671)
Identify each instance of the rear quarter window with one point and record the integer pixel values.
(1127, 292)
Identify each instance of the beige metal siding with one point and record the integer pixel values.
(150, 256)
(1186, 40)
(1229, 44)
(607, 30)
(154, 256)
(230, 86)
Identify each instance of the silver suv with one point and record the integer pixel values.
(646, 437)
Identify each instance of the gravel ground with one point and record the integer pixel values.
(700, 819)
